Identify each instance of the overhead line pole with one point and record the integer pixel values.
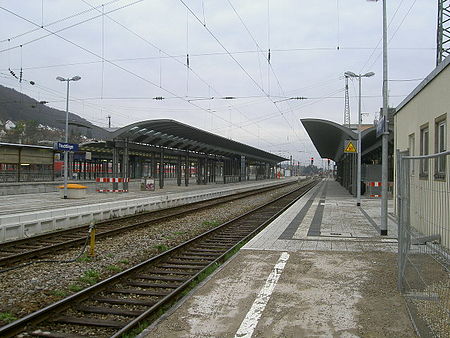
(385, 136)
(443, 31)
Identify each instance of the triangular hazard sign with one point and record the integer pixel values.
(350, 148)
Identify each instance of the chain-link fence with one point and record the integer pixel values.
(423, 200)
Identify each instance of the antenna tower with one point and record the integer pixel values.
(347, 105)
(443, 31)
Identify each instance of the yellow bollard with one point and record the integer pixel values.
(92, 240)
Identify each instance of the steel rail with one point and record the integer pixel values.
(103, 228)
(226, 233)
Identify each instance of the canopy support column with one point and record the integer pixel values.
(161, 169)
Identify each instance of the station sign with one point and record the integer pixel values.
(62, 146)
(350, 146)
(381, 126)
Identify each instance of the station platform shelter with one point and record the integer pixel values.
(166, 151)
(330, 138)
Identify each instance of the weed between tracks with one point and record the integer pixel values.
(114, 268)
(7, 317)
(211, 223)
(84, 258)
(89, 277)
(59, 293)
(161, 247)
(75, 287)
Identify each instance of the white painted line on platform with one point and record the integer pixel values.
(250, 321)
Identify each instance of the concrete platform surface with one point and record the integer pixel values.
(12, 204)
(319, 270)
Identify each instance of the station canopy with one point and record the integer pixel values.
(176, 135)
(329, 137)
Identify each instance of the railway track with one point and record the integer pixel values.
(16, 252)
(121, 303)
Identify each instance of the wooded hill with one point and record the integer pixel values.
(16, 107)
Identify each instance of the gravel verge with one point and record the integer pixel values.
(30, 288)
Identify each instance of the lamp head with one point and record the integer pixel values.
(369, 74)
(76, 78)
(350, 74)
(60, 78)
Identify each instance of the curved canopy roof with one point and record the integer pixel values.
(174, 134)
(328, 137)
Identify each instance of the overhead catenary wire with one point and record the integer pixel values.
(62, 29)
(291, 110)
(127, 70)
(54, 22)
(187, 64)
(61, 96)
(395, 32)
(238, 63)
(92, 53)
(380, 40)
(167, 84)
(269, 64)
(224, 48)
(192, 55)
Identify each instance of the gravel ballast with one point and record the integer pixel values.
(30, 288)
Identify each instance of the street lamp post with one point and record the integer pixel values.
(66, 155)
(358, 176)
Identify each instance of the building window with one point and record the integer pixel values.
(441, 146)
(424, 141)
(412, 150)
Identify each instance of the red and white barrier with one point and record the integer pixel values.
(112, 180)
(374, 189)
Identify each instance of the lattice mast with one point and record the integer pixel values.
(443, 31)
(347, 105)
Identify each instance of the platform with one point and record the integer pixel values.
(321, 269)
(31, 214)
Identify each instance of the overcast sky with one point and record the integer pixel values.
(137, 50)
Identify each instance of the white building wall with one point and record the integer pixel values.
(429, 200)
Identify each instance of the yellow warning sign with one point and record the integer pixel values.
(350, 147)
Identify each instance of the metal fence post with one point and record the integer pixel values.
(400, 198)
